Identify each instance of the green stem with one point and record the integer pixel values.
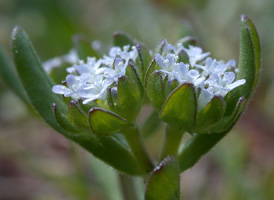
(128, 188)
(172, 142)
(134, 140)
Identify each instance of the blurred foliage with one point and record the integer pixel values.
(36, 163)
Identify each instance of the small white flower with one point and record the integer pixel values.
(168, 65)
(94, 90)
(183, 75)
(213, 66)
(70, 58)
(223, 84)
(125, 54)
(118, 70)
(95, 76)
(73, 83)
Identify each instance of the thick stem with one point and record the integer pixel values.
(128, 188)
(134, 140)
(172, 142)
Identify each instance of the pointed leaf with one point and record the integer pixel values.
(200, 144)
(144, 60)
(103, 122)
(170, 85)
(183, 57)
(63, 120)
(249, 63)
(164, 181)
(153, 66)
(122, 39)
(210, 115)
(179, 110)
(76, 117)
(129, 98)
(36, 82)
(9, 76)
(155, 90)
(226, 121)
(132, 74)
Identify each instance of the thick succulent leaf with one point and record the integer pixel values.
(200, 144)
(9, 76)
(103, 122)
(76, 117)
(144, 60)
(83, 47)
(164, 181)
(180, 108)
(183, 56)
(249, 63)
(132, 74)
(155, 90)
(210, 115)
(121, 39)
(153, 66)
(129, 98)
(36, 82)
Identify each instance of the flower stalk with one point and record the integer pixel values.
(172, 142)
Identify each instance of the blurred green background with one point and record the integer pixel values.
(37, 163)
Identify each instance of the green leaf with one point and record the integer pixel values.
(122, 39)
(225, 123)
(249, 63)
(63, 120)
(210, 115)
(144, 60)
(111, 151)
(164, 181)
(103, 122)
(129, 98)
(200, 144)
(155, 90)
(151, 68)
(170, 85)
(76, 117)
(83, 46)
(9, 76)
(183, 57)
(36, 82)
(179, 110)
(132, 74)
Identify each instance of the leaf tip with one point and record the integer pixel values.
(244, 18)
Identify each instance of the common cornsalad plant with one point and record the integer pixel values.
(94, 100)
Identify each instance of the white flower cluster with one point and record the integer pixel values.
(90, 80)
(214, 78)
